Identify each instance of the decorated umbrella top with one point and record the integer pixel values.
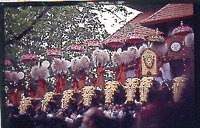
(114, 43)
(134, 37)
(182, 30)
(54, 52)
(92, 43)
(156, 38)
(7, 62)
(76, 47)
(115, 40)
(28, 57)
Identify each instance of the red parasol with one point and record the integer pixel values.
(92, 43)
(182, 30)
(134, 37)
(54, 52)
(114, 41)
(76, 48)
(7, 62)
(28, 57)
(156, 38)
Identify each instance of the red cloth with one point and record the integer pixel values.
(41, 89)
(57, 84)
(100, 79)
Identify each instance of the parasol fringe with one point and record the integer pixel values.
(116, 59)
(85, 62)
(43, 73)
(59, 66)
(35, 72)
(133, 52)
(75, 64)
(100, 56)
(39, 72)
(125, 58)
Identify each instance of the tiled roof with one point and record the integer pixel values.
(170, 12)
(171, 55)
(146, 31)
(131, 26)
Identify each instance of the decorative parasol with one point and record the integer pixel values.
(115, 41)
(76, 48)
(60, 68)
(54, 52)
(7, 62)
(182, 30)
(28, 57)
(92, 43)
(156, 38)
(134, 37)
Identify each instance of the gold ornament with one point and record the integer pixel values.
(67, 95)
(178, 85)
(130, 86)
(87, 93)
(109, 90)
(149, 62)
(145, 84)
(23, 105)
(47, 98)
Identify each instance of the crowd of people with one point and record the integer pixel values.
(160, 111)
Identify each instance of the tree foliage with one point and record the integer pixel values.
(37, 28)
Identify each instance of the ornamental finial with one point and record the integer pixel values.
(181, 23)
(157, 31)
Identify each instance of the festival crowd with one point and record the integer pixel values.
(159, 111)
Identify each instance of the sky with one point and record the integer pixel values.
(114, 21)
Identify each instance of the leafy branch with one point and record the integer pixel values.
(26, 31)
